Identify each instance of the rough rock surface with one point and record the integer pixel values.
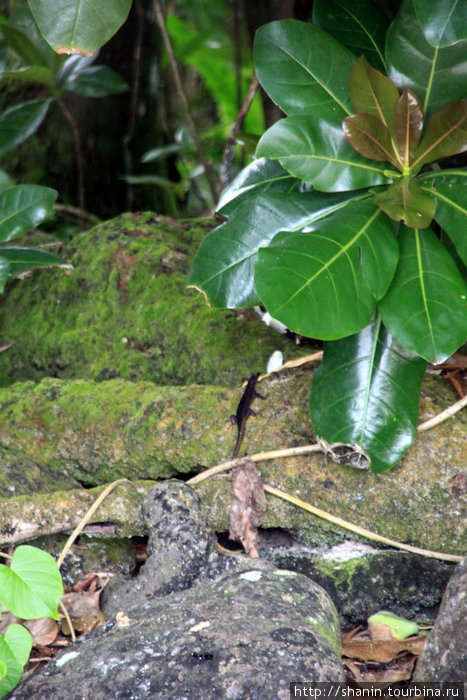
(362, 580)
(444, 657)
(247, 632)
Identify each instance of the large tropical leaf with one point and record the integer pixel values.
(372, 92)
(446, 134)
(437, 75)
(294, 66)
(443, 23)
(360, 26)
(224, 264)
(324, 284)
(4, 271)
(408, 124)
(22, 207)
(259, 177)
(79, 26)
(317, 151)
(21, 258)
(426, 305)
(19, 122)
(450, 193)
(366, 392)
(405, 201)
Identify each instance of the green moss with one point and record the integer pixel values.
(125, 311)
(343, 572)
(326, 631)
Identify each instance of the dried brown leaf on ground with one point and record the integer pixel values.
(381, 651)
(399, 669)
(248, 506)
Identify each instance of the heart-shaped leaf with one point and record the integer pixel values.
(22, 207)
(408, 124)
(79, 26)
(405, 201)
(19, 122)
(10, 668)
(368, 135)
(32, 586)
(437, 75)
(433, 294)
(372, 92)
(259, 177)
(324, 284)
(446, 134)
(359, 26)
(317, 151)
(443, 23)
(223, 267)
(366, 392)
(293, 65)
(450, 193)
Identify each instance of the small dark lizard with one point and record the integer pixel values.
(244, 410)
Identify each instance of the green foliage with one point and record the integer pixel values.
(79, 26)
(31, 60)
(23, 207)
(331, 227)
(30, 588)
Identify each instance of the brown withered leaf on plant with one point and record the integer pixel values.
(248, 506)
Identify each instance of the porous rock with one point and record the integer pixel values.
(247, 632)
(444, 657)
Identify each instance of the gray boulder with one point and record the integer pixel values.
(444, 658)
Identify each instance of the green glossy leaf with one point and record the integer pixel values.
(20, 642)
(22, 45)
(35, 74)
(12, 670)
(96, 81)
(19, 122)
(4, 271)
(450, 193)
(372, 92)
(436, 75)
(446, 134)
(366, 392)
(22, 208)
(360, 26)
(259, 177)
(32, 585)
(22, 259)
(368, 135)
(443, 23)
(224, 264)
(318, 152)
(405, 201)
(408, 124)
(79, 26)
(293, 65)
(432, 294)
(324, 284)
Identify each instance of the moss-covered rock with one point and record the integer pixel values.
(124, 310)
(98, 432)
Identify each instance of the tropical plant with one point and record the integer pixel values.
(22, 207)
(346, 227)
(30, 588)
(31, 61)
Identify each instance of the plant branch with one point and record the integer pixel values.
(183, 99)
(79, 152)
(228, 154)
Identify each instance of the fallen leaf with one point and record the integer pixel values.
(247, 507)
